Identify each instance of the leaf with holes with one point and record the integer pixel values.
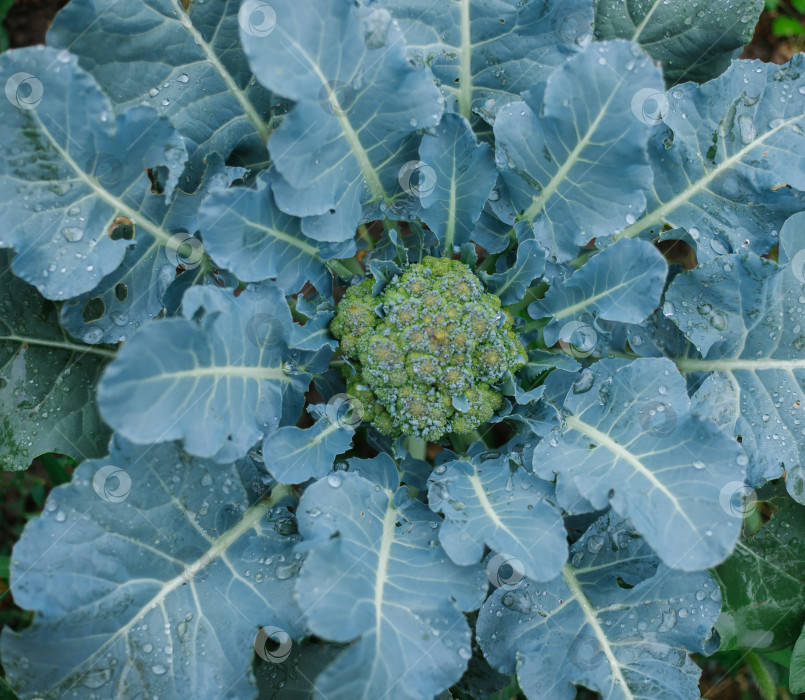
(74, 176)
(202, 84)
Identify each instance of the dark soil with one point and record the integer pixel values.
(28, 20)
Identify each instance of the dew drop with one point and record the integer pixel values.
(72, 234)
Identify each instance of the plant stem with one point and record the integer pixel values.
(417, 447)
(488, 263)
(345, 269)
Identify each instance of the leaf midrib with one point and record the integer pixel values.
(248, 108)
(549, 190)
(659, 214)
(250, 519)
(620, 451)
(592, 620)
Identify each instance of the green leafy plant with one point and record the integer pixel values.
(367, 326)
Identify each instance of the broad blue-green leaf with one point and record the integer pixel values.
(491, 233)
(623, 282)
(484, 54)
(630, 441)
(218, 374)
(346, 141)
(737, 141)
(245, 232)
(181, 58)
(294, 455)
(616, 621)
(694, 39)
(72, 169)
(464, 174)
(745, 314)
(125, 298)
(46, 380)
(167, 568)
(510, 285)
(375, 577)
(560, 148)
(315, 334)
(135, 291)
(485, 502)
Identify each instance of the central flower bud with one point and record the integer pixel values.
(427, 352)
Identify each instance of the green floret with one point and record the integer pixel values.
(428, 351)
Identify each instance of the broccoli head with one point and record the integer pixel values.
(427, 351)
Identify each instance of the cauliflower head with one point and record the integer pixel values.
(427, 351)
